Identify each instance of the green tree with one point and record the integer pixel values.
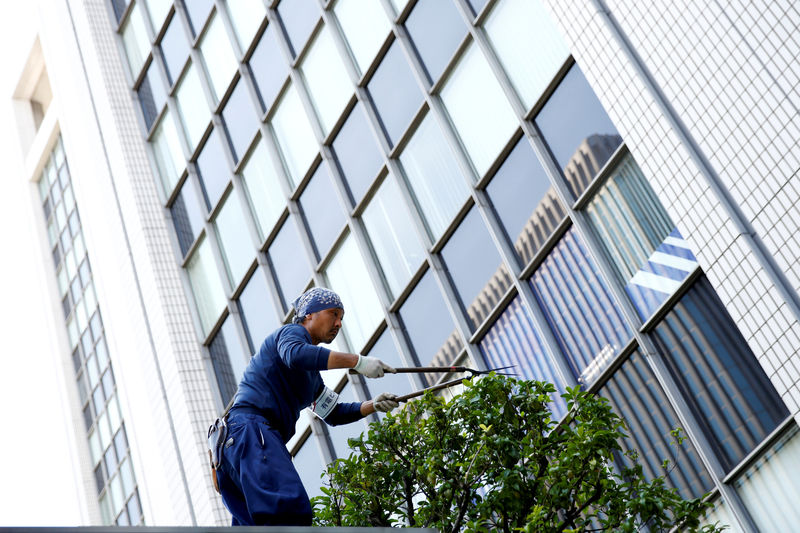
(492, 458)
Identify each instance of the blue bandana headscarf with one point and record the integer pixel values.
(313, 300)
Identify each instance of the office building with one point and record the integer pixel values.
(599, 193)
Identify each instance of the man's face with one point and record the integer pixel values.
(323, 326)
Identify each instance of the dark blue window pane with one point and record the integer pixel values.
(525, 201)
(358, 155)
(513, 340)
(395, 94)
(268, 68)
(636, 396)
(119, 8)
(227, 359)
(436, 29)
(579, 308)
(187, 215)
(385, 350)
(198, 11)
(340, 434)
(475, 267)
(152, 95)
(721, 380)
(258, 310)
(322, 210)
(428, 324)
(240, 119)
(289, 262)
(212, 166)
(577, 130)
(299, 17)
(309, 465)
(175, 49)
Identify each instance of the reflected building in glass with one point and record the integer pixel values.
(541, 185)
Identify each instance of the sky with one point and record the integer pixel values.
(38, 487)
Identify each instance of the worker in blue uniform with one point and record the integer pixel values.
(257, 480)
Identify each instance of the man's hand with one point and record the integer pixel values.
(385, 402)
(372, 367)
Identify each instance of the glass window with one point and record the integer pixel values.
(637, 397)
(525, 202)
(649, 256)
(479, 109)
(391, 232)
(340, 434)
(322, 210)
(326, 77)
(135, 41)
(768, 492)
(308, 460)
(721, 380)
(428, 324)
(513, 340)
(198, 11)
(578, 130)
(257, 310)
(436, 29)
(218, 56)
(386, 350)
(228, 359)
(395, 93)
(246, 16)
(240, 120)
(151, 94)
(399, 5)
(299, 18)
(119, 8)
(475, 267)
(358, 155)
(289, 262)
(158, 9)
(294, 135)
(579, 308)
(168, 153)
(187, 215)
(263, 187)
(365, 28)
(348, 276)
(268, 68)
(477, 5)
(175, 49)
(515, 25)
(234, 239)
(433, 173)
(192, 106)
(209, 294)
(212, 167)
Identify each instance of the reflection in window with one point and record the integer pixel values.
(294, 135)
(769, 493)
(479, 109)
(227, 359)
(239, 119)
(358, 155)
(322, 210)
(515, 25)
(348, 276)
(395, 93)
(637, 397)
(175, 49)
(290, 263)
(434, 176)
(192, 107)
(513, 340)
(209, 295)
(187, 215)
(474, 264)
(721, 380)
(399, 384)
(365, 28)
(391, 232)
(135, 41)
(327, 80)
(246, 17)
(198, 11)
(234, 239)
(212, 167)
(436, 29)
(263, 187)
(268, 68)
(525, 201)
(577, 130)
(645, 249)
(299, 18)
(151, 95)
(308, 460)
(168, 153)
(580, 309)
(218, 56)
(257, 310)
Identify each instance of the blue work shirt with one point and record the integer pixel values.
(283, 378)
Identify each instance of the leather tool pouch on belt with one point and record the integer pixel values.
(217, 434)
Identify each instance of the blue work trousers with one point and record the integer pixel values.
(257, 480)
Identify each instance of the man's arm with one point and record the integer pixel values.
(370, 367)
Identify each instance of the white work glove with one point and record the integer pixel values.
(372, 367)
(385, 402)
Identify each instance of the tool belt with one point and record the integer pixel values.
(217, 435)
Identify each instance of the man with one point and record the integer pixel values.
(257, 480)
